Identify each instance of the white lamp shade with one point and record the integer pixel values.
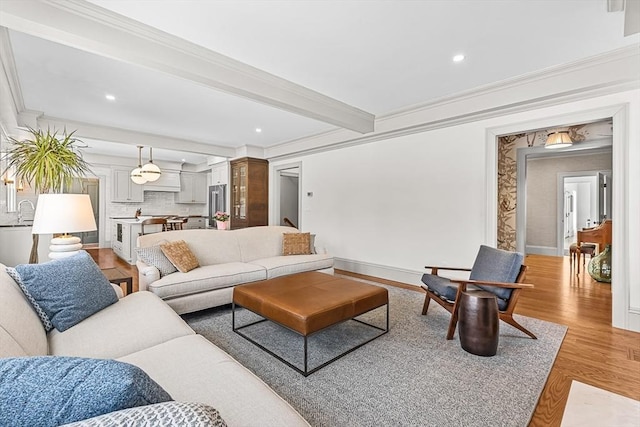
(63, 213)
(136, 176)
(558, 140)
(150, 172)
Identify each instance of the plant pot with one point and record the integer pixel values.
(222, 225)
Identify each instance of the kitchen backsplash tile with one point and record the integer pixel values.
(156, 203)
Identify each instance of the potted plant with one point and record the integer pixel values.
(222, 219)
(47, 162)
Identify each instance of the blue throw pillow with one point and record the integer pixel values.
(46, 322)
(68, 289)
(50, 390)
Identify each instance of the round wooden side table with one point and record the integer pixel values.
(478, 323)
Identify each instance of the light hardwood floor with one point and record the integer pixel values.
(593, 352)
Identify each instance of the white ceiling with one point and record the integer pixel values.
(377, 56)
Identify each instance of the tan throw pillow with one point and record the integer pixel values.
(180, 255)
(295, 243)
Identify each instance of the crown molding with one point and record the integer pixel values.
(549, 73)
(604, 74)
(133, 138)
(11, 102)
(88, 27)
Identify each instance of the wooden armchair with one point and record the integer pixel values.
(496, 271)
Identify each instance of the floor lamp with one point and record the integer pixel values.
(61, 214)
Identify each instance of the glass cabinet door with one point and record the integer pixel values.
(243, 191)
(239, 188)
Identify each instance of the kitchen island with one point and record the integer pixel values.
(125, 232)
(16, 241)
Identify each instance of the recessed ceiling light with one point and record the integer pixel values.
(258, 130)
(110, 97)
(184, 160)
(458, 58)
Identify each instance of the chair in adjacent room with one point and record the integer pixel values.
(153, 221)
(494, 270)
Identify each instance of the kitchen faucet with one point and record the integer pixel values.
(33, 208)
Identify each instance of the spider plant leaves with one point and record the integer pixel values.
(47, 162)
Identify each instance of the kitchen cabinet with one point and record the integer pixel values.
(121, 240)
(249, 192)
(124, 237)
(169, 181)
(123, 189)
(193, 188)
(220, 174)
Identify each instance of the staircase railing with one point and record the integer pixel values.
(288, 222)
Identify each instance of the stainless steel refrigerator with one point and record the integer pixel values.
(217, 201)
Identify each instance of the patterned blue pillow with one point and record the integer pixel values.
(46, 322)
(68, 289)
(166, 414)
(50, 390)
(154, 256)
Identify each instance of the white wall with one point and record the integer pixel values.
(390, 207)
(586, 189)
(542, 197)
(289, 198)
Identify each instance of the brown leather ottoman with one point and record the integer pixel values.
(307, 303)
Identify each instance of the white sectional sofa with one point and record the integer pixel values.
(227, 258)
(143, 330)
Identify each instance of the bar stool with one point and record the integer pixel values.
(575, 252)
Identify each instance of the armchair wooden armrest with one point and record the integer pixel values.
(496, 284)
(434, 269)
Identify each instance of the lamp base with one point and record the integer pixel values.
(64, 246)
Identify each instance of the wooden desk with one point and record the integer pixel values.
(118, 277)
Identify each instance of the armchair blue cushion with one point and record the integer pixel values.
(440, 286)
(491, 264)
(497, 265)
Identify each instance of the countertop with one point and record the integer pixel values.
(15, 224)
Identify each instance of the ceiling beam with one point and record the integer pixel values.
(88, 27)
(133, 138)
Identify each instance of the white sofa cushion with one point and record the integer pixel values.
(291, 264)
(206, 278)
(135, 322)
(192, 369)
(209, 246)
(21, 331)
(261, 242)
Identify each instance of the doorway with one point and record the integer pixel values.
(287, 190)
(540, 199)
(584, 200)
(90, 186)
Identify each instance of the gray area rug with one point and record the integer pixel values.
(411, 376)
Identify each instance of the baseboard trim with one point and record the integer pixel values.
(541, 250)
(408, 277)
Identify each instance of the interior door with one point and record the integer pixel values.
(90, 186)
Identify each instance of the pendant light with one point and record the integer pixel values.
(149, 171)
(136, 174)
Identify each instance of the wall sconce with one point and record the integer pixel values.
(20, 186)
